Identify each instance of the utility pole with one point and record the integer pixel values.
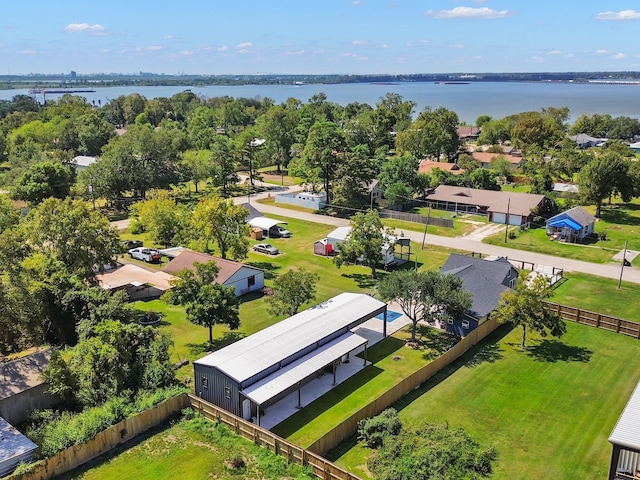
(506, 230)
(624, 259)
(426, 225)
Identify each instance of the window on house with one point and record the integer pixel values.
(227, 392)
(205, 382)
(512, 283)
(450, 321)
(465, 324)
(251, 281)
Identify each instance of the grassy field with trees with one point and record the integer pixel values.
(547, 409)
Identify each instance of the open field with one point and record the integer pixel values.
(619, 222)
(391, 361)
(190, 449)
(547, 409)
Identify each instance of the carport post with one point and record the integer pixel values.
(258, 413)
(365, 354)
(615, 457)
(384, 324)
(299, 396)
(334, 372)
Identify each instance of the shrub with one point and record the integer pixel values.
(375, 430)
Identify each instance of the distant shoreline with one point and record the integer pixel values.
(60, 81)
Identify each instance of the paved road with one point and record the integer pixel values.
(469, 244)
(612, 270)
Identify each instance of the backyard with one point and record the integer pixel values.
(548, 409)
(191, 449)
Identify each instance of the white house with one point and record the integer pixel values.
(340, 234)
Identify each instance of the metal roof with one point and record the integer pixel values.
(264, 222)
(290, 375)
(14, 447)
(626, 433)
(267, 348)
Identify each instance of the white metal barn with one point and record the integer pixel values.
(257, 371)
(14, 448)
(625, 457)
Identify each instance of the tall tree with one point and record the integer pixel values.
(524, 306)
(162, 218)
(206, 303)
(430, 296)
(606, 174)
(221, 222)
(196, 166)
(324, 147)
(353, 177)
(44, 180)
(365, 242)
(292, 289)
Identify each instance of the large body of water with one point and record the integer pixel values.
(469, 101)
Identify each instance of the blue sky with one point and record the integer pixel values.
(315, 37)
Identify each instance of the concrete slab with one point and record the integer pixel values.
(631, 254)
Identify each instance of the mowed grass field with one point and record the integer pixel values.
(547, 409)
(190, 449)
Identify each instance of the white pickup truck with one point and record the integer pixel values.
(145, 254)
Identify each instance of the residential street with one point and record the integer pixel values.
(468, 243)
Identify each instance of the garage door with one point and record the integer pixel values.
(499, 217)
(515, 219)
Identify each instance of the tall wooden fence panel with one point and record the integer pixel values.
(594, 319)
(347, 428)
(104, 441)
(320, 466)
(416, 218)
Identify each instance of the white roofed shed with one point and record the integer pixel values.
(625, 437)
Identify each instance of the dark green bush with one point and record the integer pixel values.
(375, 430)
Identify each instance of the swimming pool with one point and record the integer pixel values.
(391, 316)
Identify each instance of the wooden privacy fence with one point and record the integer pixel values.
(320, 466)
(416, 218)
(347, 428)
(594, 319)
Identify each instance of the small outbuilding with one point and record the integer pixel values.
(323, 247)
(340, 234)
(265, 224)
(14, 448)
(257, 371)
(574, 225)
(625, 438)
(139, 283)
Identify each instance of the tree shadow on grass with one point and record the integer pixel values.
(218, 343)
(487, 350)
(268, 268)
(552, 351)
(620, 214)
(433, 342)
(363, 281)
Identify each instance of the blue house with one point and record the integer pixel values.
(571, 226)
(486, 279)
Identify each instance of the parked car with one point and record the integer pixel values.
(129, 244)
(145, 254)
(266, 248)
(279, 232)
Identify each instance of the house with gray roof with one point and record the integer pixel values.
(486, 280)
(574, 225)
(587, 141)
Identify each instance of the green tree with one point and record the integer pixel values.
(495, 132)
(524, 306)
(69, 231)
(353, 176)
(221, 222)
(430, 296)
(196, 166)
(292, 289)
(324, 146)
(44, 180)
(162, 218)
(115, 359)
(365, 242)
(606, 174)
(223, 163)
(206, 303)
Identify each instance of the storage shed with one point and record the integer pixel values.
(323, 247)
(625, 438)
(265, 224)
(257, 371)
(14, 448)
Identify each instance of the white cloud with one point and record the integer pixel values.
(357, 3)
(418, 43)
(619, 56)
(482, 13)
(26, 52)
(244, 46)
(186, 53)
(359, 43)
(297, 52)
(95, 29)
(601, 52)
(456, 46)
(224, 48)
(537, 59)
(554, 52)
(621, 15)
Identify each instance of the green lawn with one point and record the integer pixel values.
(548, 409)
(392, 361)
(599, 295)
(190, 449)
(619, 222)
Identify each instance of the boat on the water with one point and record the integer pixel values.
(56, 91)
